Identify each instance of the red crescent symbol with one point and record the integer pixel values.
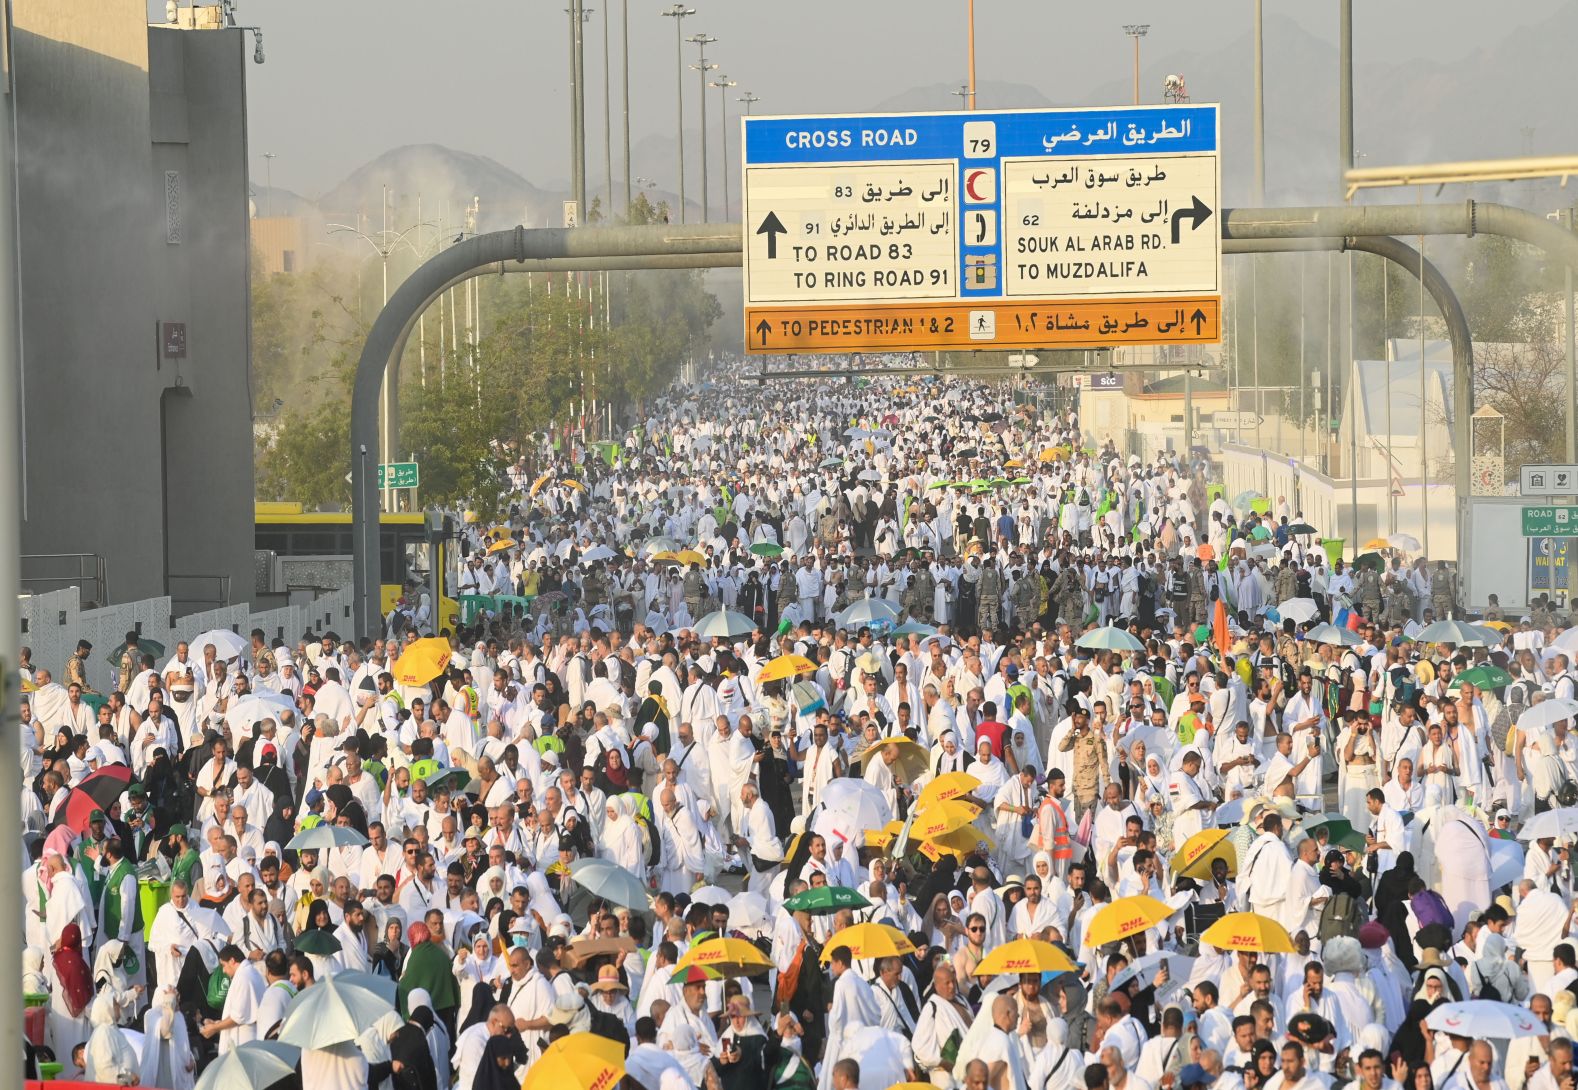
(969, 184)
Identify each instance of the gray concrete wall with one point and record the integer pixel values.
(144, 461)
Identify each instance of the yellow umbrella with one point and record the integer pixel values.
(1376, 543)
(730, 957)
(950, 785)
(912, 760)
(869, 940)
(959, 843)
(785, 666)
(690, 556)
(1124, 917)
(1499, 626)
(942, 818)
(1025, 956)
(422, 661)
(580, 1061)
(664, 557)
(1013, 463)
(1194, 859)
(1248, 931)
(577, 485)
(539, 482)
(881, 838)
(500, 545)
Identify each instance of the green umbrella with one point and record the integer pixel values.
(1109, 638)
(455, 778)
(1369, 560)
(317, 942)
(826, 900)
(1301, 528)
(144, 647)
(1020, 480)
(960, 484)
(767, 548)
(1336, 825)
(1483, 677)
(938, 484)
(913, 628)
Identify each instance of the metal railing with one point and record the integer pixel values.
(199, 592)
(89, 572)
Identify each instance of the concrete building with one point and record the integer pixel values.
(136, 405)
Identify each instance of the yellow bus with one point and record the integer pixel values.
(300, 537)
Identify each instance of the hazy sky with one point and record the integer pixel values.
(348, 79)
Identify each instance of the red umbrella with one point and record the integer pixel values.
(99, 791)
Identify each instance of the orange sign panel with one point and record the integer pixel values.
(983, 325)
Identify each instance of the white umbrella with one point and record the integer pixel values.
(596, 553)
(870, 611)
(331, 1012)
(750, 912)
(870, 475)
(1406, 542)
(611, 882)
(254, 1064)
(1109, 638)
(1146, 968)
(724, 624)
(1331, 634)
(1485, 1018)
(1506, 862)
(1546, 713)
(324, 837)
(251, 709)
(1457, 633)
(1555, 823)
(1567, 641)
(1298, 610)
(710, 895)
(226, 644)
(848, 808)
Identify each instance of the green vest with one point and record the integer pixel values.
(184, 866)
(89, 871)
(111, 924)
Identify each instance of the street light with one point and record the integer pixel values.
(749, 100)
(701, 42)
(1136, 31)
(678, 13)
(963, 95)
(723, 83)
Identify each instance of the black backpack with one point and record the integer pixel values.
(1341, 915)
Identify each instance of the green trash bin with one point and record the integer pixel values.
(154, 895)
(1333, 547)
(49, 1070)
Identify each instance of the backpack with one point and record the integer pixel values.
(1429, 908)
(1341, 915)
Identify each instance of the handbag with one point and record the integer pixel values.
(218, 988)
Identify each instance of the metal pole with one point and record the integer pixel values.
(1345, 90)
(723, 83)
(970, 45)
(1254, 341)
(1572, 357)
(580, 108)
(1424, 402)
(1386, 355)
(608, 126)
(701, 42)
(575, 126)
(1136, 69)
(11, 857)
(624, 48)
(1260, 106)
(1345, 297)
(678, 13)
(1303, 371)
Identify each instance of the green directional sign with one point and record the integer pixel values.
(398, 475)
(1550, 522)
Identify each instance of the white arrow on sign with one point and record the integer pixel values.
(1023, 359)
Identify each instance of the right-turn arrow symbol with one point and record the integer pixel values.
(1198, 212)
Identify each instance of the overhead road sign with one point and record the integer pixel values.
(1548, 480)
(1550, 522)
(1019, 229)
(399, 475)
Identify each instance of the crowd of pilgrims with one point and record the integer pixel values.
(934, 549)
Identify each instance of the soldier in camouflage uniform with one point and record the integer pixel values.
(595, 587)
(788, 591)
(921, 594)
(1197, 595)
(1368, 594)
(989, 598)
(695, 588)
(1027, 597)
(1069, 592)
(1287, 585)
(1399, 601)
(1443, 591)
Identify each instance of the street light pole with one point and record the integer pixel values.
(268, 182)
(624, 46)
(1135, 31)
(963, 95)
(701, 42)
(971, 41)
(678, 13)
(749, 100)
(723, 83)
(1260, 109)
(608, 127)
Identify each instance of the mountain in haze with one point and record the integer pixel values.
(436, 184)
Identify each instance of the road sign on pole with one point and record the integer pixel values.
(1020, 229)
(1548, 480)
(1550, 522)
(399, 475)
